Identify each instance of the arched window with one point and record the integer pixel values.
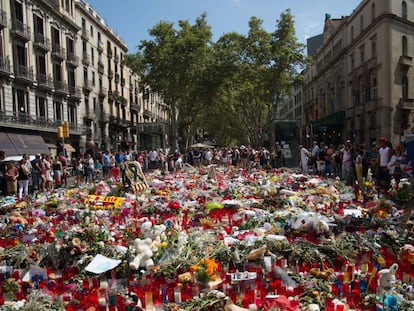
(404, 87)
(404, 10)
(404, 45)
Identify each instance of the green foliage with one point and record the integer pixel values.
(231, 87)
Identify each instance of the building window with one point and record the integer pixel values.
(373, 49)
(58, 110)
(352, 61)
(91, 31)
(372, 11)
(404, 87)
(41, 107)
(404, 10)
(92, 56)
(72, 113)
(20, 101)
(404, 45)
(352, 33)
(361, 19)
(362, 54)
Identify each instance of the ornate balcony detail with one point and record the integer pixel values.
(20, 29)
(135, 107)
(109, 53)
(101, 67)
(116, 59)
(103, 92)
(85, 34)
(24, 74)
(100, 46)
(117, 78)
(72, 59)
(5, 70)
(405, 61)
(87, 85)
(61, 87)
(75, 92)
(3, 19)
(41, 42)
(44, 81)
(110, 74)
(86, 60)
(58, 52)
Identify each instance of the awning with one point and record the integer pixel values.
(6, 145)
(69, 148)
(51, 146)
(336, 118)
(22, 143)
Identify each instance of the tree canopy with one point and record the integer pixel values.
(230, 88)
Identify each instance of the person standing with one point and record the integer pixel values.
(3, 167)
(304, 158)
(384, 156)
(23, 178)
(49, 172)
(57, 171)
(12, 174)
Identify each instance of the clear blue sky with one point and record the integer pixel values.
(131, 19)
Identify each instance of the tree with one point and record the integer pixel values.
(171, 63)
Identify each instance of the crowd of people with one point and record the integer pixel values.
(349, 161)
(352, 162)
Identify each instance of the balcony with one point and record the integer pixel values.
(103, 92)
(5, 70)
(117, 78)
(89, 115)
(122, 82)
(24, 74)
(86, 59)
(147, 114)
(135, 107)
(109, 53)
(58, 52)
(101, 67)
(61, 87)
(105, 117)
(41, 42)
(3, 19)
(116, 59)
(87, 85)
(72, 59)
(75, 92)
(110, 74)
(100, 46)
(405, 61)
(85, 34)
(44, 81)
(406, 103)
(20, 29)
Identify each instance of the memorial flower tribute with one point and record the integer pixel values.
(266, 239)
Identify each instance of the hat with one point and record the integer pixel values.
(382, 140)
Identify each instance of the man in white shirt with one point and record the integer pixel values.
(384, 156)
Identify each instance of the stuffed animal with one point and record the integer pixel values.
(143, 256)
(386, 279)
(310, 221)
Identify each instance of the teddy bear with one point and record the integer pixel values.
(144, 253)
(386, 279)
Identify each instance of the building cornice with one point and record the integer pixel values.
(107, 30)
(53, 9)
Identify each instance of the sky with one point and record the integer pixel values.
(131, 19)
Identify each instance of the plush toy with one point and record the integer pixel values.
(310, 221)
(143, 256)
(386, 280)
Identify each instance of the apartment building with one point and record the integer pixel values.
(60, 63)
(359, 85)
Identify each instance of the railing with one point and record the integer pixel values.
(45, 80)
(28, 120)
(24, 72)
(41, 41)
(86, 59)
(21, 29)
(85, 34)
(103, 91)
(58, 51)
(110, 74)
(75, 92)
(116, 59)
(88, 85)
(135, 107)
(100, 46)
(5, 65)
(71, 58)
(3, 18)
(61, 86)
(109, 53)
(100, 67)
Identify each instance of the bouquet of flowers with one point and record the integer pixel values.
(206, 270)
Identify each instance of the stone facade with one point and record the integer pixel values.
(60, 62)
(359, 85)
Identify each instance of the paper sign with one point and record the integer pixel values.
(101, 264)
(35, 270)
